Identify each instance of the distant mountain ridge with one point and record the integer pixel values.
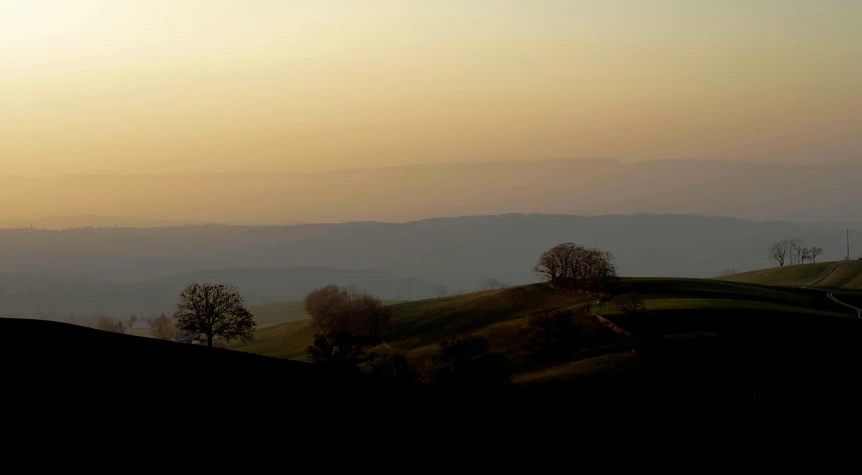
(144, 268)
(745, 190)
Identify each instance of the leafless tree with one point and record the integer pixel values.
(728, 272)
(814, 252)
(796, 250)
(163, 329)
(778, 251)
(554, 263)
(338, 309)
(576, 268)
(442, 291)
(214, 310)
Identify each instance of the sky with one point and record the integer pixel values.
(203, 86)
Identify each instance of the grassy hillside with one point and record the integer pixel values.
(848, 276)
(699, 343)
(791, 276)
(265, 316)
(425, 322)
(277, 313)
(676, 308)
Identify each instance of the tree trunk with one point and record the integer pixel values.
(210, 341)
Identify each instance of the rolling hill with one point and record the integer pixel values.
(123, 271)
(682, 316)
(703, 344)
(847, 275)
(68, 365)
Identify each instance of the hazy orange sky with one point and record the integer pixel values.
(127, 86)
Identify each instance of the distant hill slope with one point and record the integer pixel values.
(503, 315)
(61, 298)
(793, 276)
(847, 276)
(705, 344)
(282, 312)
(141, 271)
(719, 343)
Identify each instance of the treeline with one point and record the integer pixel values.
(354, 332)
(793, 251)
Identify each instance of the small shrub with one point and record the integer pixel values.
(629, 304)
(555, 334)
(341, 350)
(394, 368)
(466, 361)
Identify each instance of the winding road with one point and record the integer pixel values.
(829, 293)
(832, 298)
(826, 275)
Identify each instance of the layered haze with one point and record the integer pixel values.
(764, 191)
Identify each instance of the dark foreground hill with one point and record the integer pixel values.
(701, 349)
(704, 345)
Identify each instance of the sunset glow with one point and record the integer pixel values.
(105, 87)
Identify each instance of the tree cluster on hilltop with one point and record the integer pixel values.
(793, 251)
(576, 268)
(339, 309)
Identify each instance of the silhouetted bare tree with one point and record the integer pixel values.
(575, 268)
(442, 291)
(214, 310)
(554, 263)
(779, 251)
(338, 309)
(814, 252)
(796, 250)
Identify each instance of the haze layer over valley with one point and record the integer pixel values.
(760, 191)
(126, 270)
